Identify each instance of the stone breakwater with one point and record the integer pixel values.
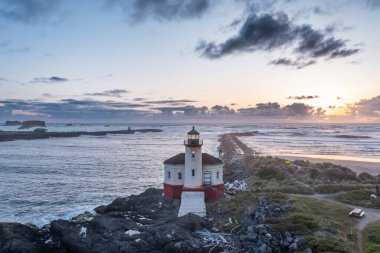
(33, 135)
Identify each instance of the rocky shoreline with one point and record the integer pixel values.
(149, 223)
(34, 135)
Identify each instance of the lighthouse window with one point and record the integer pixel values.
(180, 175)
(168, 174)
(193, 172)
(217, 174)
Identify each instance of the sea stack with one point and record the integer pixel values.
(193, 176)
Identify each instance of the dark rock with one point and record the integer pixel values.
(13, 123)
(32, 123)
(293, 247)
(365, 176)
(40, 130)
(15, 237)
(190, 222)
(143, 203)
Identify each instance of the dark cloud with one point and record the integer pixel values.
(373, 3)
(162, 10)
(303, 97)
(367, 107)
(53, 79)
(19, 50)
(299, 64)
(139, 99)
(344, 53)
(297, 110)
(222, 110)
(5, 43)
(109, 93)
(188, 110)
(28, 11)
(170, 102)
(267, 32)
(72, 109)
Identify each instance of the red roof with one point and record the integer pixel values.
(206, 159)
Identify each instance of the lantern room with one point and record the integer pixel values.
(193, 138)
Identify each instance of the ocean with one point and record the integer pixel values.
(59, 178)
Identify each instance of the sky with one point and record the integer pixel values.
(190, 60)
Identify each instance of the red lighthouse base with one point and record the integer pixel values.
(212, 192)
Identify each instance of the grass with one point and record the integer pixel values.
(359, 198)
(372, 238)
(326, 226)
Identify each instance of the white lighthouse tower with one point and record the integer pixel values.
(193, 162)
(193, 196)
(193, 176)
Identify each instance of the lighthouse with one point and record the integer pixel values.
(193, 176)
(193, 161)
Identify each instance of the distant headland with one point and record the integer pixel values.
(40, 132)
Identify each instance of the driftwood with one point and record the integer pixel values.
(236, 186)
(213, 240)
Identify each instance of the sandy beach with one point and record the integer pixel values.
(372, 168)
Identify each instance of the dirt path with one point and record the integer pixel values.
(371, 215)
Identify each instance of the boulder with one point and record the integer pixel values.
(40, 130)
(15, 237)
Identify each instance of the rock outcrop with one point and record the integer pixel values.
(32, 123)
(13, 123)
(148, 223)
(257, 236)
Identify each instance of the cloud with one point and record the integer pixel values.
(3, 80)
(303, 97)
(294, 110)
(28, 11)
(53, 79)
(28, 113)
(367, 108)
(161, 10)
(139, 99)
(95, 110)
(222, 110)
(109, 93)
(170, 102)
(299, 63)
(268, 32)
(20, 50)
(373, 3)
(5, 43)
(188, 110)
(72, 109)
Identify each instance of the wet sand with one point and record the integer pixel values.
(372, 168)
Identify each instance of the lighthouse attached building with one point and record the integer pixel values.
(193, 171)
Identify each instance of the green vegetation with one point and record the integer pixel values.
(301, 177)
(325, 226)
(359, 198)
(372, 238)
(271, 173)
